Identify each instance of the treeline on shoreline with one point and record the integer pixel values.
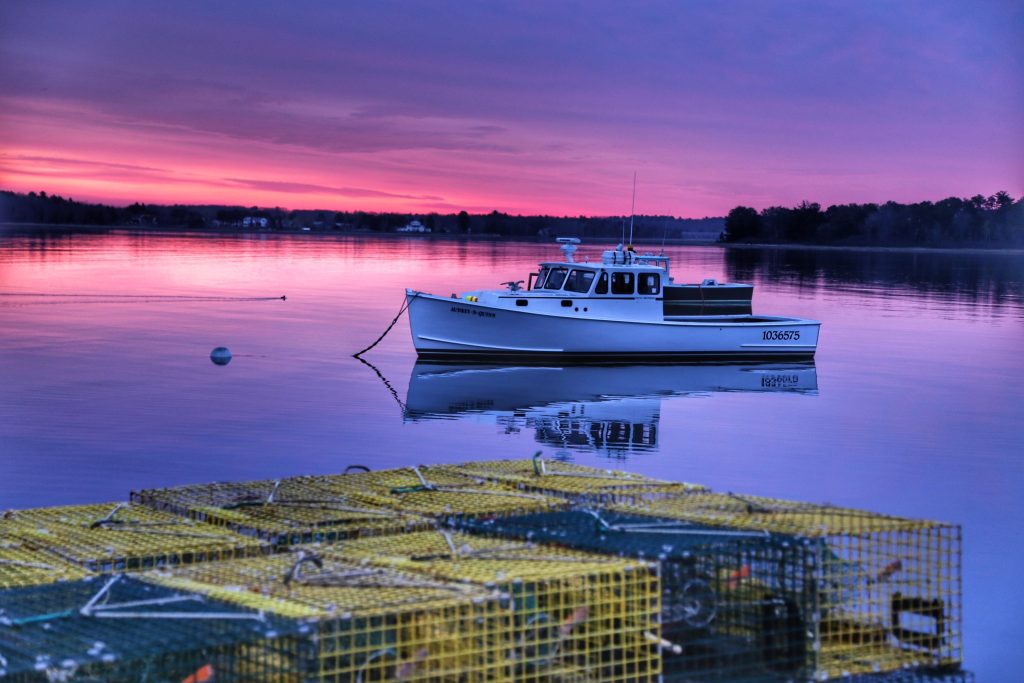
(43, 209)
(997, 220)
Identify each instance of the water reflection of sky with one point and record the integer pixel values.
(916, 412)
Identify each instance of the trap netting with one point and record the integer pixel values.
(23, 565)
(283, 511)
(734, 604)
(118, 629)
(437, 492)
(576, 615)
(888, 589)
(566, 480)
(114, 537)
(371, 624)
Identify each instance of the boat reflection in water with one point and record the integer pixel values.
(614, 410)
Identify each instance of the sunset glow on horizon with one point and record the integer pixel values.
(526, 108)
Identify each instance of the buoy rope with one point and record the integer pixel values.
(53, 299)
(405, 306)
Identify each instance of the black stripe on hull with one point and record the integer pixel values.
(598, 358)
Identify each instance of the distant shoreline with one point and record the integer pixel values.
(7, 228)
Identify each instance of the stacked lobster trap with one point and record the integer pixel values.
(438, 492)
(369, 624)
(577, 483)
(122, 630)
(283, 512)
(886, 591)
(732, 602)
(116, 537)
(576, 615)
(21, 564)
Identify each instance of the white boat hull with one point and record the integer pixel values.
(457, 329)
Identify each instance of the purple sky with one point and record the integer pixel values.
(529, 107)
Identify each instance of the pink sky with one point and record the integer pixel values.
(521, 107)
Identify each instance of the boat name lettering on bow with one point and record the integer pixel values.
(780, 335)
(471, 311)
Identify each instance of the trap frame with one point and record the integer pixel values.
(888, 591)
(577, 615)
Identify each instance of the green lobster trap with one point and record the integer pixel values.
(283, 511)
(577, 483)
(117, 629)
(371, 624)
(577, 615)
(116, 537)
(887, 590)
(733, 603)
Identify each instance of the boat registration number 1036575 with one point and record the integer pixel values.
(781, 335)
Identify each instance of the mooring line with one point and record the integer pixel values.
(405, 306)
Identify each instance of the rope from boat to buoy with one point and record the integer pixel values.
(12, 299)
(403, 309)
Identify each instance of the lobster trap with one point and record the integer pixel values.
(115, 537)
(23, 565)
(580, 484)
(121, 630)
(733, 603)
(283, 512)
(887, 590)
(438, 492)
(576, 615)
(371, 624)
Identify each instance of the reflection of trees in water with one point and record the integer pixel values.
(991, 279)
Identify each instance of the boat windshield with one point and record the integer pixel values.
(579, 281)
(555, 278)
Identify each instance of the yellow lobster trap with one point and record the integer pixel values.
(368, 624)
(23, 565)
(886, 590)
(580, 484)
(576, 615)
(115, 537)
(283, 512)
(438, 492)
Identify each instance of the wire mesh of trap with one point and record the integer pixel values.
(124, 537)
(888, 589)
(23, 565)
(436, 492)
(373, 624)
(916, 675)
(578, 483)
(733, 603)
(577, 615)
(122, 630)
(283, 511)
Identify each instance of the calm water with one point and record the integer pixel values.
(914, 406)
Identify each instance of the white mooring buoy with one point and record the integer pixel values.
(221, 355)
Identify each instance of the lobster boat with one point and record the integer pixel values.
(611, 310)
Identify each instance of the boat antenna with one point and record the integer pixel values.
(632, 209)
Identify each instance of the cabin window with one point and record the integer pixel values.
(579, 281)
(556, 276)
(622, 283)
(602, 284)
(649, 283)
